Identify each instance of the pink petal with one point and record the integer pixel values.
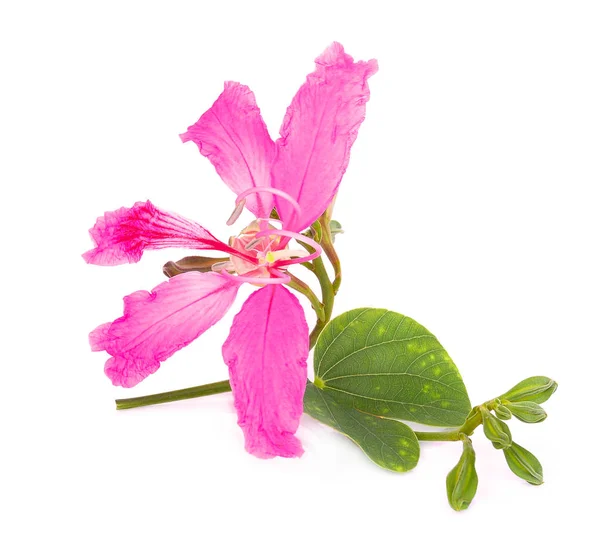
(266, 353)
(318, 131)
(121, 236)
(234, 137)
(155, 325)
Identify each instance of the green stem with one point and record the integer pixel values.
(471, 423)
(326, 287)
(298, 285)
(328, 299)
(329, 249)
(177, 395)
(434, 436)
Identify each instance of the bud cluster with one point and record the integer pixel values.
(523, 402)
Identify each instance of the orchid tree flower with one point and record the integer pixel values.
(298, 175)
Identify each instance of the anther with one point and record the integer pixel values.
(222, 265)
(237, 211)
(252, 244)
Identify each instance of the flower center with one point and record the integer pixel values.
(264, 248)
(261, 241)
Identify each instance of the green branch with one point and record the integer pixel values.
(177, 395)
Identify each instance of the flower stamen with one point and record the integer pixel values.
(252, 244)
(240, 201)
(299, 237)
(281, 278)
(237, 211)
(284, 254)
(222, 265)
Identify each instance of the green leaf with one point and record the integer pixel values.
(390, 444)
(387, 364)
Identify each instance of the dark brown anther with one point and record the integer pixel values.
(190, 264)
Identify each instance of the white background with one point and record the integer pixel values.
(469, 205)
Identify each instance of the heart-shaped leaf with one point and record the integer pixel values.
(387, 364)
(390, 444)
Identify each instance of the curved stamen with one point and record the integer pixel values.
(222, 265)
(271, 221)
(237, 210)
(284, 278)
(241, 200)
(284, 254)
(299, 237)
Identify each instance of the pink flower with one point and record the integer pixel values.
(267, 348)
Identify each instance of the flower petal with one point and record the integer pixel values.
(266, 354)
(155, 325)
(235, 139)
(318, 131)
(121, 236)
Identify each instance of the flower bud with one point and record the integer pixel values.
(335, 228)
(461, 482)
(496, 431)
(502, 412)
(527, 411)
(524, 464)
(536, 389)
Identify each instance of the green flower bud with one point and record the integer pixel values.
(335, 228)
(536, 389)
(461, 482)
(502, 412)
(527, 411)
(524, 464)
(496, 431)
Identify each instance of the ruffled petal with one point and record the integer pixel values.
(121, 236)
(318, 131)
(156, 324)
(235, 139)
(266, 354)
